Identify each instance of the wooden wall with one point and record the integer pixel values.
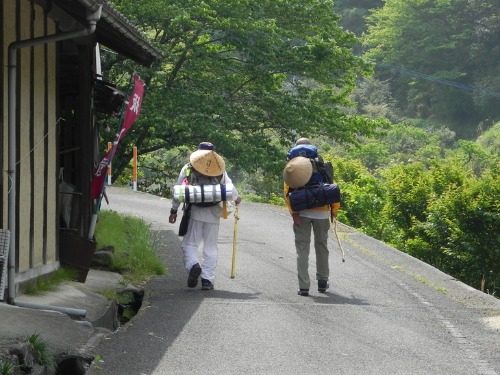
(37, 138)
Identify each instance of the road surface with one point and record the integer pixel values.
(385, 313)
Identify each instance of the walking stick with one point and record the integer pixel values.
(338, 239)
(233, 260)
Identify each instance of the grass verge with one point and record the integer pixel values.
(134, 254)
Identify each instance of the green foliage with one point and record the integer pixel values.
(49, 283)
(160, 169)
(490, 139)
(262, 183)
(372, 155)
(242, 75)
(353, 12)
(401, 143)
(374, 98)
(250, 77)
(110, 294)
(461, 229)
(406, 140)
(45, 356)
(134, 252)
(472, 155)
(273, 198)
(439, 205)
(7, 368)
(361, 197)
(408, 190)
(434, 43)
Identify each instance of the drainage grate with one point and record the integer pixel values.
(4, 252)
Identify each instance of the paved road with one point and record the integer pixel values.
(386, 312)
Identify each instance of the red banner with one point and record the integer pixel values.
(132, 111)
(133, 107)
(99, 175)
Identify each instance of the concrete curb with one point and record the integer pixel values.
(69, 338)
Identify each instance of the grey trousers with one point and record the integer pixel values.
(302, 232)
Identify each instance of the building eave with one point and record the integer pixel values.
(114, 30)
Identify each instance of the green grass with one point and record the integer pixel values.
(134, 254)
(110, 294)
(121, 298)
(49, 283)
(45, 356)
(7, 368)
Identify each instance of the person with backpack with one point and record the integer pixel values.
(206, 169)
(305, 168)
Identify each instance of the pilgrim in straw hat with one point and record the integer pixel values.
(297, 172)
(207, 162)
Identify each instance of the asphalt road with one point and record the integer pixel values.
(385, 313)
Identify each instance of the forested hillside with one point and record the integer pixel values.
(440, 59)
(439, 204)
(402, 95)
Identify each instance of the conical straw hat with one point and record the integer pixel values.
(297, 172)
(207, 162)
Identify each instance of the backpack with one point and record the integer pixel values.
(202, 190)
(313, 196)
(307, 151)
(196, 178)
(322, 171)
(320, 189)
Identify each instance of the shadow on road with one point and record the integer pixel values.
(337, 299)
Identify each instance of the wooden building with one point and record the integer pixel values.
(49, 104)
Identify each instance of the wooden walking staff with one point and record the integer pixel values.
(338, 239)
(333, 218)
(233, 260)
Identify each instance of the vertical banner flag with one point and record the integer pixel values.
(133, 107)
(132, 111)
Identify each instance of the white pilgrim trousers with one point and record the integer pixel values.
(202, 235)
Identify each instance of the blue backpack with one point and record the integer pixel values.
(307, 151)
(320, 189)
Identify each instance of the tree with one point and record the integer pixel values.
(362, 197)
(353, 13)
(490, 139)
(245, 75)
(452, 41)
(460, 233)
(373, 97)
(408, 190)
